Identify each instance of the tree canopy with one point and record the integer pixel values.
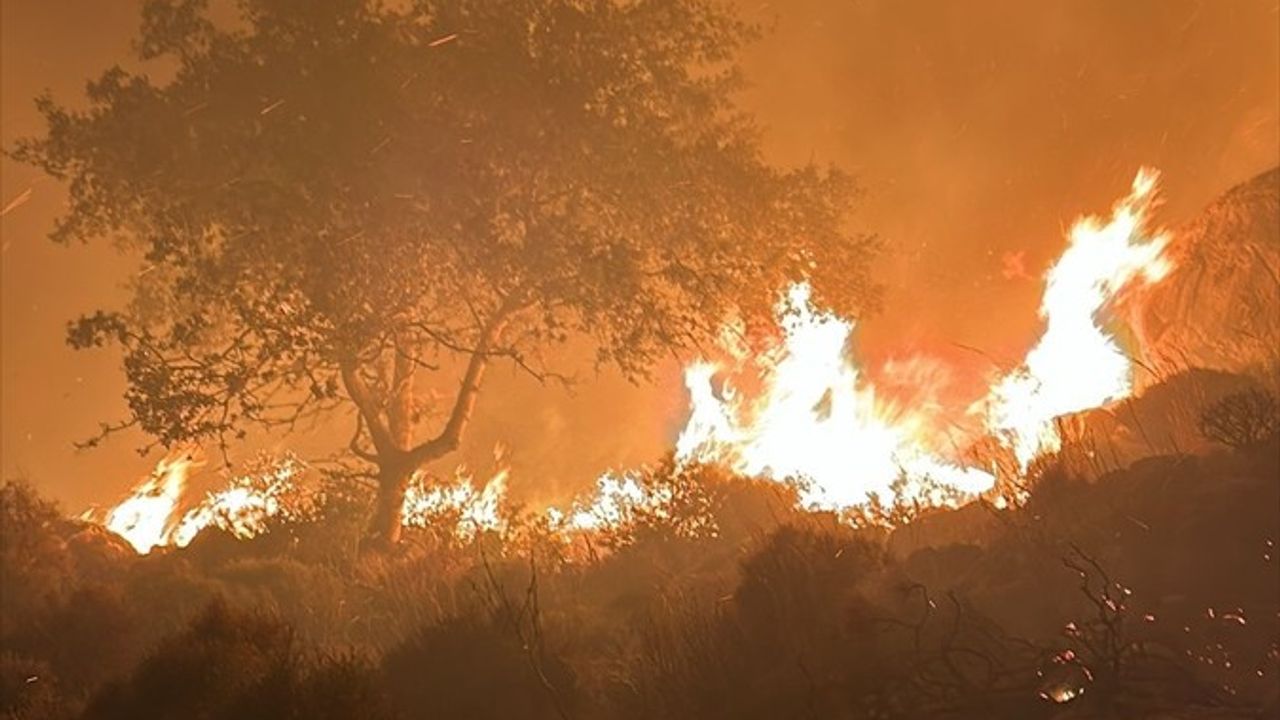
(333, 197)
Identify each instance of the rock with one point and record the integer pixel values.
(1220, 307)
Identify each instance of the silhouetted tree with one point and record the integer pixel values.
(1242, 419)
(335, 196)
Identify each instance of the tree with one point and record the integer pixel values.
(335, 198)
(1241, 419)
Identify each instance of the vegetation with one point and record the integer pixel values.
(337, 200)
(1242, 419)
(1149, 592)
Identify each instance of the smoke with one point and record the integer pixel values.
(978, 130)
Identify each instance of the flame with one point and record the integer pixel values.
(143, 518)
(471, 510)
(149, 517)
(244, 507)
(818, 420)
(616, 501)
(1077, 365)
(811, 417)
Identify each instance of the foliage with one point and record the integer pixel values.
(335, 198)
(1150, 589)
(232, 664)
(34, 562)
(85, 638)
(1242, 419)
(29, 690)
(472, 667)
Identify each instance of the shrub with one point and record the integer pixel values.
(236, 664)
(34, 562)
(1242, 419)
(471, 667)
(29, 690)
(83, 638)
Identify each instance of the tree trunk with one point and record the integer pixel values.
(388, 509)
(390, 421)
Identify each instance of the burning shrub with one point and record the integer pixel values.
(1242, 419)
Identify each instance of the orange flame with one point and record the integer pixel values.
(471, 510)
(1077, 365)
(818, 420)
(143, 518)
(243, 507)
(616, 501)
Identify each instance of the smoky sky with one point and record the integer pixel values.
(978, 130)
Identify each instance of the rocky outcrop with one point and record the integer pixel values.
(1220, 307)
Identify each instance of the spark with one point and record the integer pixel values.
(17, 202)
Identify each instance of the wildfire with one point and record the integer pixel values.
(468, 509)
(150, 516)
(1077, 365)
(812, 415)
(244, 507)
(143, 518)
(616, 501)
(817, 419)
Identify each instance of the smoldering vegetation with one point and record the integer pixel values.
(1118, 589)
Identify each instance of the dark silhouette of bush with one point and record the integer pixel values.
(473, 667)
(84, 638)
(231, 664)
(779, 613)
(803, 567)
(29, 690)
(1242, 419)
(796, 638)
(34, 563)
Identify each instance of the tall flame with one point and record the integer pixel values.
(1077, 365)
(819, 421)
(244, 507)
(143, 518)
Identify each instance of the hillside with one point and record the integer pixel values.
(1218, 308)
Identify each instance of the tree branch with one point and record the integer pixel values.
(368, 408)
(464, 403)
